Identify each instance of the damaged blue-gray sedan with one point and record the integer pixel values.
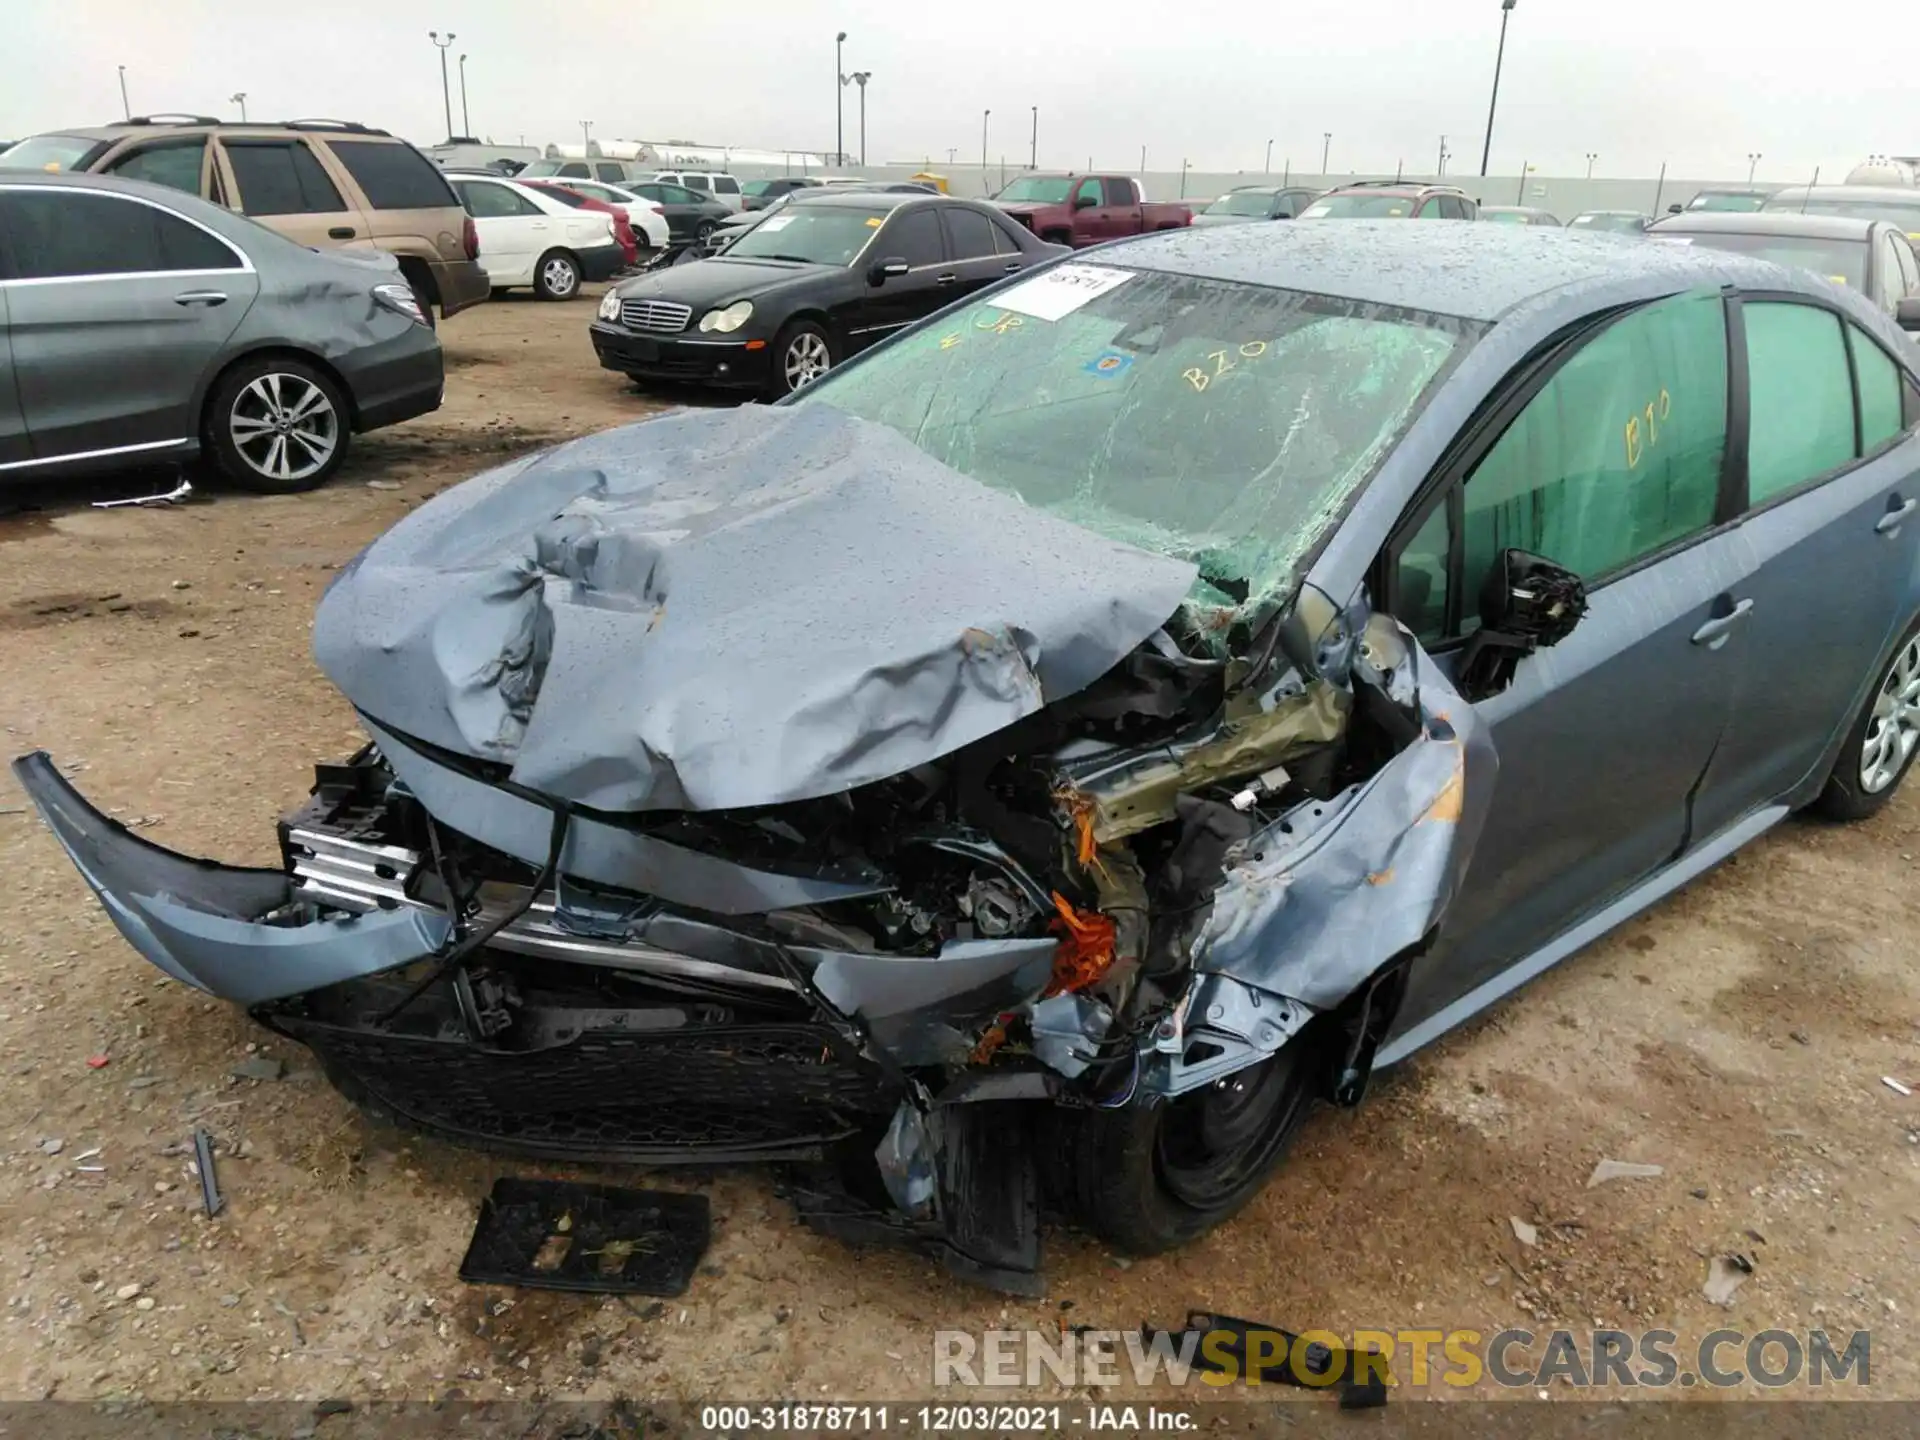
(1030, 768)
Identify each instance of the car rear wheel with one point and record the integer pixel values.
(557, 276)
(802, 354)
(277, 425)
(1880, 747)
(1149, 1178)
(703, 232)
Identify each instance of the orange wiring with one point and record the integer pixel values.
(1085, 950)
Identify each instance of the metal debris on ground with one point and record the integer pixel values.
(1895, 1086)
(1725, 1275)
(210, 1194)
(181, 492)
(1623, 1170)
(1523, 1232)
(1250, 1339)
(555, 1235)
(259, 1067)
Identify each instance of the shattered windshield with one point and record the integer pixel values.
(1225, 424)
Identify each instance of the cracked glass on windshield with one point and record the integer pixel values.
(812, 234)
(1226, 424)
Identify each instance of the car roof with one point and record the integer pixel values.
(1640, 213)
(1766, 222)
(1476, 272)
(1847, 192)
(1393, 187)
(166, 125)
(864, 199)
(1736, 190)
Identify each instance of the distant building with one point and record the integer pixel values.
(684, 154)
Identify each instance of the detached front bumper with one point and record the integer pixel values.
(603, 262)
(724, 361)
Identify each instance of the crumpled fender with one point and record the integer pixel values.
(1328, 894)
(206, 924)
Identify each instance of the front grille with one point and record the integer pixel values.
(660, 316)
(704, 1094)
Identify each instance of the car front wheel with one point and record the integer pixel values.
(802, 354)
(557, 276)
(1880, 747)
(277, 425)
(1149, 1178)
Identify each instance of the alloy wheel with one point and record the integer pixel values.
(807, 359)
(1894, 728)
(284, 426)
(560, 276)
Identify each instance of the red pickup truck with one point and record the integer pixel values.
(1082, 210)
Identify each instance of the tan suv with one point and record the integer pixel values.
(324, 183)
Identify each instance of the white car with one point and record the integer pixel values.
(527, 238)
(717, 184)
(649, 221)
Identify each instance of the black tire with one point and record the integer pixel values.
(556, 276)
(421, 283)
(703, 232)
(795, 334)
(425, 303)
(242, 405)
(1847, 795)
(1128, 1174)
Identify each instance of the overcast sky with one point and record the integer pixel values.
(1698, 84)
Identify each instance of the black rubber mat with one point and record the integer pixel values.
(553, 1235)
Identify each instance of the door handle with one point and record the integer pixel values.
(947, 280)
(1896, 512)
(1013, 268)
(341, 232)
(209, 298)
(1714, 633)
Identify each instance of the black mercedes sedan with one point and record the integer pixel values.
(806, 288)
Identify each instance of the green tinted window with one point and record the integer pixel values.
(1422, 577)
(1618, 456)
(1802, 397)
(1879, 381)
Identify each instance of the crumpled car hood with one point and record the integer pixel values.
(724, 609)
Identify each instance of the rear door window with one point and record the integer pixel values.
(694, 182)
(63, 235)
(493, 202)
(1801, 397)
(1618, 456)
(394, 176)
(177, 164)
(1119, 190)
(969, 233)
(726, 185)
(610, 171)
(280, 177)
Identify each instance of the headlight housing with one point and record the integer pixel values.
(728, 320)
(610, 305)
(401, 300)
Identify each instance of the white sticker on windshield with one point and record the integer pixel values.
(1061, 291)
(776, 222)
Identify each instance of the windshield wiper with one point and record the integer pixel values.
(796, 259)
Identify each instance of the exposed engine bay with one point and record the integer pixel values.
(1118, 870)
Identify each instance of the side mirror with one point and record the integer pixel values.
(882, 271)
(1907, 314)
(1673, 210)
(1084, 202)
(1527, 602)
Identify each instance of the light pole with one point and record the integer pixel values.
(839, 105)
(466, 125)
(446, 91)
(586, 126)
(860, 78)
(1033, 152)
(124, 106)
(1499, 58)
(1183, 177)
(1591, 157)
(1267, 167)
(1444, 154)
(984, 114)
(1753, 163)
(1326, 151)
(239, 97)
(1143, 164)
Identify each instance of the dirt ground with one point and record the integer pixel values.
(1736, 1036)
